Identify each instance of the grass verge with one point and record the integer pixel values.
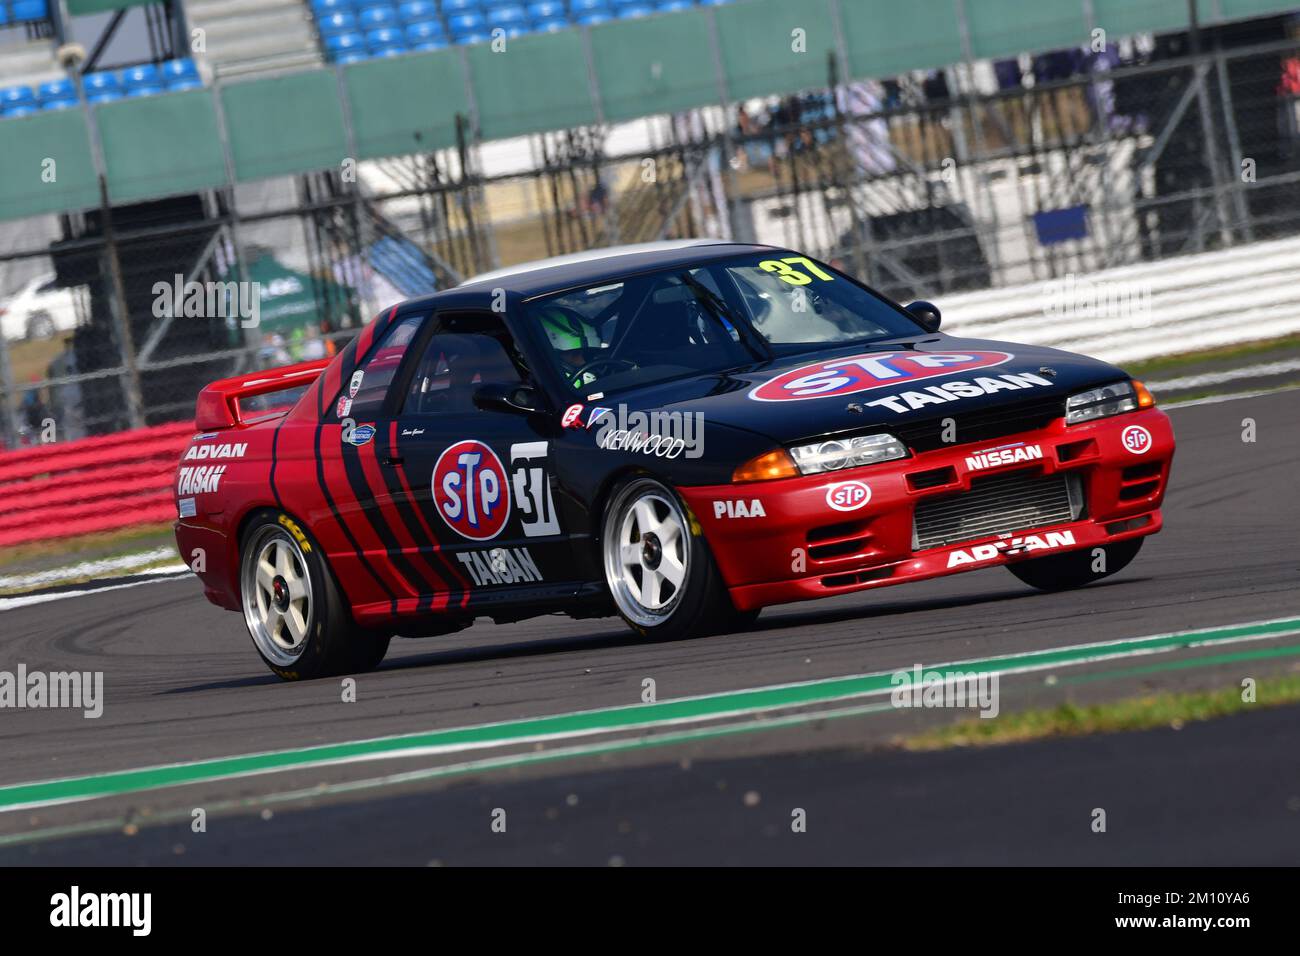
(1170, 362)
(1132, 713)
(87, 547)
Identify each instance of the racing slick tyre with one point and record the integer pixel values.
(299, 622)
(659, 569)
(1074, 569)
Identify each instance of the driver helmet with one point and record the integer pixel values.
(565, 331)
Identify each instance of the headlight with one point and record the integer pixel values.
(1106, 401)
(839, 453)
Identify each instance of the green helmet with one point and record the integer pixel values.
(564, 331)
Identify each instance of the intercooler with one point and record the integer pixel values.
(998, 504)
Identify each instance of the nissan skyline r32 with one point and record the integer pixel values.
(683, 433)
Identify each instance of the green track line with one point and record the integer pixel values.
(736, 704)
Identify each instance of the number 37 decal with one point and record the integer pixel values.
(533, 489)
(782, 267)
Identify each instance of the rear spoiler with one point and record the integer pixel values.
(219, 404)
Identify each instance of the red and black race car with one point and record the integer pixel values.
(682, 432)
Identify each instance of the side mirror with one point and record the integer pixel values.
(927, 313)
(516, 399)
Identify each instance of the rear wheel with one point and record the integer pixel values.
(660, 572)
(1076, 568)
(299, 622)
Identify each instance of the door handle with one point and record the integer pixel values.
(393, 461)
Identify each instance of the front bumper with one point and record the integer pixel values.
(781, 541)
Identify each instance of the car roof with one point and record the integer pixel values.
(530, 279)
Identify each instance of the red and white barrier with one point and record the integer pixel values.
(96, 484)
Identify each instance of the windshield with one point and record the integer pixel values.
(723, 315)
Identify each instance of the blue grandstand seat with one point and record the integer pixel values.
(184, 83)
(417, 11)
(425, 46)
(591, 19)
(145, 75)
(463, 23)
(96, 83)
(63, 104)
(184, 68)
(384, 38)
(452, 7)
(670, 6)
(323, 7)
(390, 51)
(145, 91)
(488, 5)
(340, 21)
(423, 31)
(19, 111)
(26, 10)
(580, 7)
(545, 10)
(374, 17)
(511, 16)
(465, 39)
(57, 90)
(104, 96)
(550, 26)
(352, 56)
(4, 17)
(15, 96)
(638, 10)
(342, 42)
(714, 3)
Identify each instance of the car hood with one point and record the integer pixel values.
(892, 383)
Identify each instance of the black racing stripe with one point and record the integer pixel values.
(411, 518)
(329, 499)
(275, 460)
(374, 517)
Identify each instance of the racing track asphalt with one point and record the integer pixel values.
(182, 683)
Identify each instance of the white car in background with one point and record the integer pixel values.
(39, 310)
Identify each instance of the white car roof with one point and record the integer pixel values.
(609, 252)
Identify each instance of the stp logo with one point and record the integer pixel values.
(860, 373)
(848, 495)
(1136, 439)
(470, 490)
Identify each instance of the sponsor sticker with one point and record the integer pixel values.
(1136, 440)
(360, 435)
(500, 566)
(597, 414)
(188, 508)
(848, 495)
(202, 479)
(739, 509)
(354, 385)
(343, 407)
(871, 370)
(1003, 455)
(1030, 542)
(471, 490)
(572, 417)
(228, 450)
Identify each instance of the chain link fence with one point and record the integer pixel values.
(973, 177)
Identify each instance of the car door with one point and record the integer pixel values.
(482, 481)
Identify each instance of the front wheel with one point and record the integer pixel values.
(1074, 569)
(660, 572)
(297, 618)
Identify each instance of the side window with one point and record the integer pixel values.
(465, 351)
(369, 385)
